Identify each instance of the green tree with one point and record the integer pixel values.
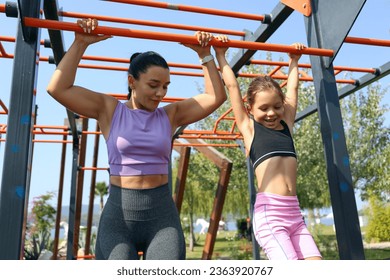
(101, 190)
(39, 226)
(368, 142)
(378, 228)
(312, 183)
(43, 214)
(199, 191)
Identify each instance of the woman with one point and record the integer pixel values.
(139, 215)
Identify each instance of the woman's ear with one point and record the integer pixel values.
(131, 80)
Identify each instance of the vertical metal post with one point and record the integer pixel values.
(17, 156)
(181, 177)
(92, 191)
(336, 155)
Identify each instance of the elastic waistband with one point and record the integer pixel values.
(142, 204)
(276, 199)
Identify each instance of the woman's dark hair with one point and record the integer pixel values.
(140, 63)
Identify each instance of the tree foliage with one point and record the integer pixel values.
(378, 228)
(101, 190)
(368, 142)
(312, 183)
(39, 227)
(43, 214)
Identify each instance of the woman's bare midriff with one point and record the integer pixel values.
(277, 175)
(139, 182)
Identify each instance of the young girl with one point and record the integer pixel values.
(139, 214)
(266, 126)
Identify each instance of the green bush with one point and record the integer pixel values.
(378, 227)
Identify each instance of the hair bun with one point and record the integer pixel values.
(134, 55)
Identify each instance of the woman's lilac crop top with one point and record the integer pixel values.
(139, 142)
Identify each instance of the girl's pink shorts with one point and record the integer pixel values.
(280, 229)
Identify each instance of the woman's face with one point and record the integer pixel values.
(268, 109)
(151, 87)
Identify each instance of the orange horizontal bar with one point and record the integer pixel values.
(7, 39)
(234, 137)
(2, 105)
(91, 132)
(242, 75)
(93, 168)
(40, 132)
(53, 141)
(307, 65)
(205, 145)
(166, 99)
(152, 23)
(210, 132)
(2, 8)
(186, 39)
(368, 41)
(51, 126)
(117, 68)
(284, 77)
(127, 61)
(254, 61)
(192, 9)
(3, 52)
(13, 39)
(86, 257)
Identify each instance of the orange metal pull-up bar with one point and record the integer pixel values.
(367, 41)
(192, 9)
(152, 23)
(185, 39)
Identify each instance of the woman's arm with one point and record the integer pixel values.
(202, 105)
(61, 86)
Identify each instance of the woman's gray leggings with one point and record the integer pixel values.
(140, 220)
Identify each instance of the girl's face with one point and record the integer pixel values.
(150, 88)
(268, 109)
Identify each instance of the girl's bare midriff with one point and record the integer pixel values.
(277, 175)
(139, 182)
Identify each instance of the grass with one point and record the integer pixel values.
(229, 247)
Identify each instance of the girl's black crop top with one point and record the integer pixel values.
(269, 143)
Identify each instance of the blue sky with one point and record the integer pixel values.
(373, 22)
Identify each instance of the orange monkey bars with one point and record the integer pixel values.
(279, 64)
(351, 40)
(186, 39)
(152, 23)
(192, 9)
(307, 65)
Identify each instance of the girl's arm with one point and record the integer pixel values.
(292, 87)
(240, 113)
